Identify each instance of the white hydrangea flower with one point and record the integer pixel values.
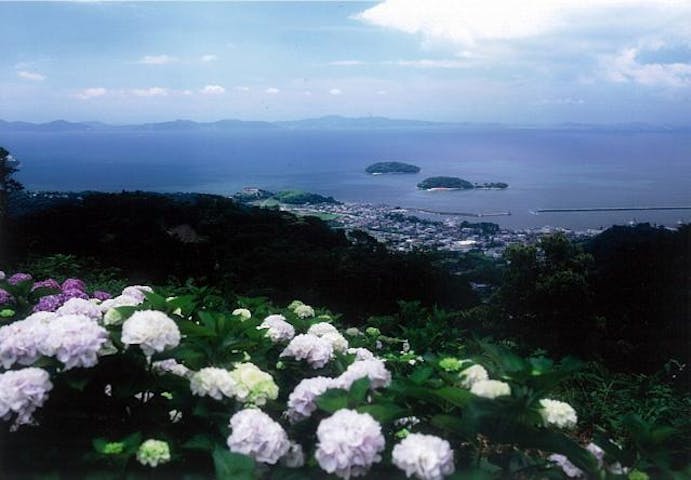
(353, 332)
(20, 341)
(110, 315)
(425, 456)
(22, 392)
(137, 292)
(597, 452)
(294, 304)
(175, 416)
(373, 369)
(571, 470)
(79, 306)
(490, 389)
(349, 443)
(214, 382)
(471, 375)
(322, 328)
(153, 453)
(304, 311)
(75, 340)
(153, 331)
(337, 341)
(314, 350)
(301, 402)
(243, 313)
(255, 434)
(252, 385)
(278, 329)
(557, 413)
(361, 353)
(171, 366)
(295, 457)
(119, 301)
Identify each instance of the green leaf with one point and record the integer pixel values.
(232, 466)
(332, 400)
(450, 423)
(199, 442)
(420, 375)
(383, 412)
(191, 329)
(458, 397)
(358, 392)
(157, 301)
(99, 444)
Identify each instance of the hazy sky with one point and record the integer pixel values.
(528, 61)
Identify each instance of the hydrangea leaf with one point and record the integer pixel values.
(232, 466)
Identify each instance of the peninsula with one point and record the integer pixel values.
(391, 167)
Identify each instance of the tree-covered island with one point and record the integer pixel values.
(455, 183)
(391, 167)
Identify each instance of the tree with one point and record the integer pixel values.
(8, 167)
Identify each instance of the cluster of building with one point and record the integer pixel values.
(406, 230)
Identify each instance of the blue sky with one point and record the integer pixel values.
(534, 61)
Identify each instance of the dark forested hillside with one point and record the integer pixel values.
(251, 251)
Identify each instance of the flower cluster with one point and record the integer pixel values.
(153, 453)
(22, 392)
(557, 413)
(301, 402)
(425, 456)
(254, 433)
(252, 385)
(490, 389)
(373, 369)
(75, 340)
(315, 351)
(349, 443)
(213, 382)
(277, 328)
(153, 331)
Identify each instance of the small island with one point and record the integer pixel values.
(455, 183)
(492, 185)
(380, 168)
(445, 183)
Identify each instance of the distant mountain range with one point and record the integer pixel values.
(331, 122)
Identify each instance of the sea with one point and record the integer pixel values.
(545, 168)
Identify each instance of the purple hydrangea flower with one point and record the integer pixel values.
(5, 297)
(19, 278)
(100, 295)
(73, 284)
(49, 303)
(74, 293)
(47, 283)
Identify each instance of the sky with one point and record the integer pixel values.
(519, 62)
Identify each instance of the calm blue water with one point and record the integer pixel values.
(545, 169)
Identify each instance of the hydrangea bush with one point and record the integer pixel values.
(145, 383)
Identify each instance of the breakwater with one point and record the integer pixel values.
(606, 209)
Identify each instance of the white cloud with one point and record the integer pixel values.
(212, 90)
(33, 76)
(346, 63)
(427, 63)
(157, 60)
(272, 91)
(150, 92)
(89, 93)
(561, 101)
(242, 88)
(209, 57)
(465, 23)
(625, 67)
(335, 92)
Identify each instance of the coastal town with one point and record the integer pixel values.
(402, 229)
